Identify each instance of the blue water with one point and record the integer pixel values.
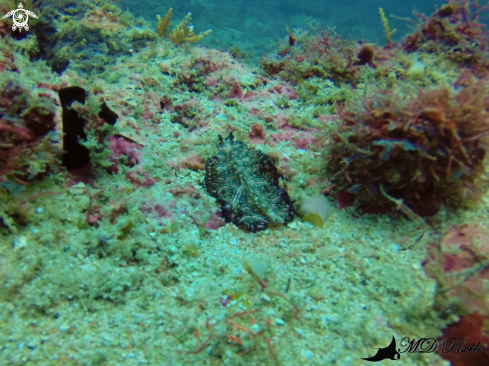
(254, 25)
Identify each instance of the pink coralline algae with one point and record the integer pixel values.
(121, 147)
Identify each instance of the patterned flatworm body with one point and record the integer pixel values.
(245, 182)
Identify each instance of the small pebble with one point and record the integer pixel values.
(255, 328)
(19, 242)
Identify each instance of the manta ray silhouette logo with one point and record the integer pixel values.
(20, 17)
(389, 352)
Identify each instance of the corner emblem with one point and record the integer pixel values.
(20, 17)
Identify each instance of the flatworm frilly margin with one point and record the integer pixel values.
(245, 182)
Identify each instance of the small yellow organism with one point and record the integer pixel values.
(315, 210)
(314, 219)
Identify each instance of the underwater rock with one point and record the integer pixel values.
(245, 182)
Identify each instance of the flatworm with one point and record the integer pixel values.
(245, 182)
